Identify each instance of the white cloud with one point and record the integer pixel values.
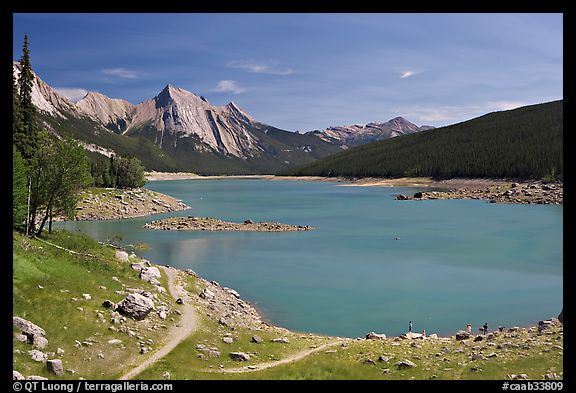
(72, 93)
(229, 86)
(121, 72)
(505, 105)
(407, 73)
(447, 114)
(270, 67)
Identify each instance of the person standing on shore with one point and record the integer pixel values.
(468, 328)
(485, 328)
(410, 326)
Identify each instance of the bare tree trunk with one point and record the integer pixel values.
(50, 222)
(28, 206)
(42, 224)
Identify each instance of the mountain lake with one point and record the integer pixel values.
(373, 263)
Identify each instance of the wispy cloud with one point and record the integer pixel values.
(229, 86)
(121, 73)
(268, 67)
(505, 105)
(447, 114)
(407, 73)
(74, 94)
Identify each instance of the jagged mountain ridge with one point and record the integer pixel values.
(45, 98)
(177, 113)
(175, 131)
(359, 134)
(113, 113)
(178, 130)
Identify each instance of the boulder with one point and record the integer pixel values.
(40, 342)
(283, 340)
(233, 292)
(418, 195)
(248, 222)
(137, 266)
(55, 366)
(405, 364)
(240, 356)
(462, 335)
(121, 255)
(375, 336)
(28, 328)
(150, 273)
(86, 296)
(22, 338)
(108, 304)
(191, 272)
(206, 294)
(545, 325)
(228, 340)
(136, 306)
(256, 339)
(115, 341)
(401, 197)
(16, 376)
(477, 356)
(179, 301)
(478, 338)
(411, 335)
(37, 356)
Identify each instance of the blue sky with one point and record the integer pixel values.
(307, 71)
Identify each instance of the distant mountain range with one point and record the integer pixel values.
(360, 134)
(525, 142)
(180, 131)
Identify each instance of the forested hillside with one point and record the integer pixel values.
(521, 143)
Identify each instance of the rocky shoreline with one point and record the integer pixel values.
(191, 223)
(113, 203)
(535, 192)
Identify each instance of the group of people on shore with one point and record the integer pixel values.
(483, 329)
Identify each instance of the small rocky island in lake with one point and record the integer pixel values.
(190, 223)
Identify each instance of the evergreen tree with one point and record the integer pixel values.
(16, 118)
(25, 130)
(19, 188)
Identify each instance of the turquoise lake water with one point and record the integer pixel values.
(454, 262)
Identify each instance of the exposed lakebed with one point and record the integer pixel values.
(372, 264)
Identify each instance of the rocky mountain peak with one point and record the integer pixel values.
(45, 98)
(358, 134)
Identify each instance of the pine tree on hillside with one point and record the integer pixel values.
(25, 131)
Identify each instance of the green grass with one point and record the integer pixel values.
(185, 362)
(64, 276)
(349, 361)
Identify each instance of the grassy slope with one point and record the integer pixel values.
(434, 359)
(36, 263)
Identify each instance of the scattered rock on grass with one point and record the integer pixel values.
(55, 366)
(405, 364)
(240, 356)
(375, 336)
